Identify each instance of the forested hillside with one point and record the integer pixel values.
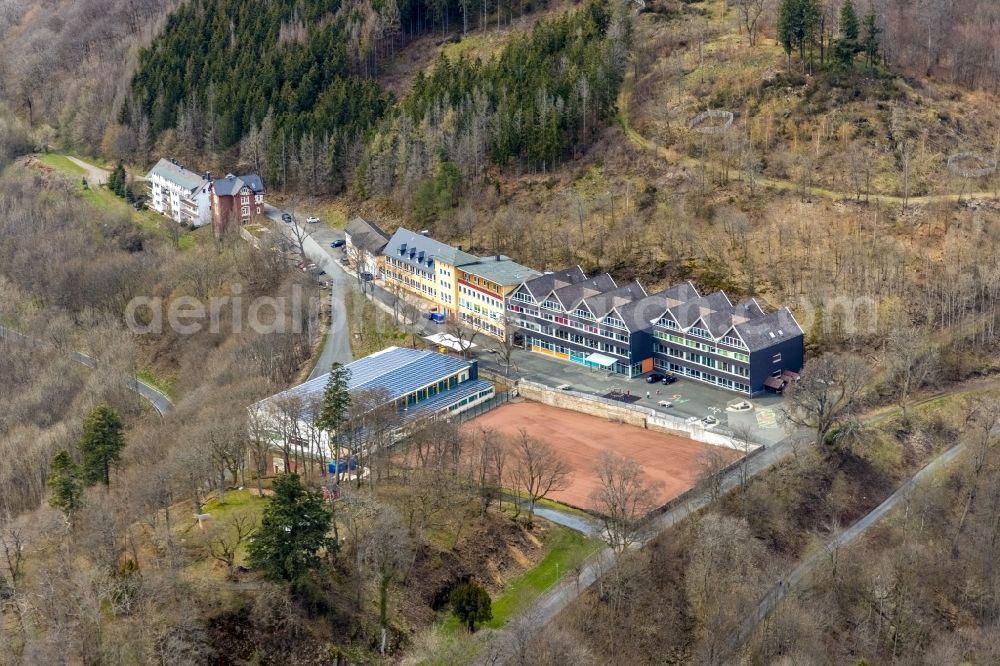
(282, 72)
(291, 85)
(539, 102)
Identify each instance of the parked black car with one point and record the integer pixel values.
(338, 243)
(285, 217)
(654, 377)
(669, 378)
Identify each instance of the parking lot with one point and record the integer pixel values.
(688, 398)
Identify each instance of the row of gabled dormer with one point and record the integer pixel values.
(680, 308)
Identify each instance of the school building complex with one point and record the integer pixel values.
(623, 329)
(597, 323)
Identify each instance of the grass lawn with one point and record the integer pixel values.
(164, 385)
(202, 566)
(103, 199)
(236, 500)
(567, 549)
(62, 163)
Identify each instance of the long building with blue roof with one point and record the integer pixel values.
(419, 383)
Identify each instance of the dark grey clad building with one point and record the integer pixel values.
(738, 347)
(598, 324)
(590, 321)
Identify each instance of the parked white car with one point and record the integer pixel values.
(312, 219)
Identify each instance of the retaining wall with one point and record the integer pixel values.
(635, 415)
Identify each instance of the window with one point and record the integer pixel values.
(733, 342)
(667, 322)
(776, 358)
(259, 198)
(699, 332)
(245, 211)
(614, 321)
(258, 210)
(245, 201)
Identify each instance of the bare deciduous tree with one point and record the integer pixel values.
(225, 539)
(624, 499)
(388, 553)
(751, 12)
(829, 389)
(539, 470)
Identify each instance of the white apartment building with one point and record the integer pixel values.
(179, 194)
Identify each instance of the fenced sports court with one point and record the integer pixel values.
(580, 438)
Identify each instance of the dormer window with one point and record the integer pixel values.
(699, 332)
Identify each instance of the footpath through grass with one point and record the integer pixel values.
(63, 164)
(102, 198)
(567, 549)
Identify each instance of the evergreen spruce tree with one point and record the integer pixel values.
(292, 531)
(118, 180)
(471, 604)
(870, 43)
(64, 483)
(798, 21)
(336, 408)
(847, 45)
(101, 445)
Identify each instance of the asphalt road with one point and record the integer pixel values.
(160, 402)
(337, 346)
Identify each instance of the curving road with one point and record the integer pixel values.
(316, 243)
(160, 402)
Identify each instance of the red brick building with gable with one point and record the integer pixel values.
(236, 201)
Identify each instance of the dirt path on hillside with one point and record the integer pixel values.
(95, 174)
(672, 156)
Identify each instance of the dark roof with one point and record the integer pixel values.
(688, 313)
(420, 251)
(757, 329)
(571, 294)
(638, 313)
(764, 331)
(231, 185)
(366, 235)
(545, 284)
(603, 303)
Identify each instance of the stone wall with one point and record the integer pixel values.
(619, 412)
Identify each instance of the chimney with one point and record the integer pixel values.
(459, 248)
(425, 232)
(498, 257)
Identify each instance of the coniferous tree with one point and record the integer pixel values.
(101, 445)
(64, 483)
(336, 408)
(471, 604)
(847, 45)
(870, 45)
(292, 532)
(797, 24)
